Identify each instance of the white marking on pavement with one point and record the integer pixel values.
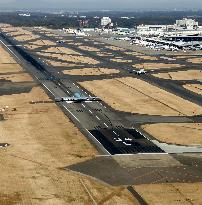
(98, 142)
(10, 50)
(115, 133)
(90, 111)
(127, 144)
(128, 139)
(97, 117)
(48, 89)
(83, 105)
(106, 124)
(71, 113)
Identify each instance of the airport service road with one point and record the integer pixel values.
(96, 120)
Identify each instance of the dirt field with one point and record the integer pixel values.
(185, 56)
(121, 60)
(5, 57)
(24, 38)
(123, 92)
(60, 50)
(32, 47)
(121, 97)
(71, 58)
(181, 75)
(42, 140)
(87, 48)
(43, 42)
(195, 60)
(176, 133)
(8, 68)
(155, 66)
(173, 193)
(90, 71)
(147, 57)
(133, 53)
(17, 77)
(114, 48)
(103, 54)
(66, 65)
(197, 88)
(19, 33)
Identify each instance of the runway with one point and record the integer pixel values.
(101, 124)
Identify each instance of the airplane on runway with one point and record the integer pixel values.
(79, 32)
(141, 71)
(60, 41)
(78, 97)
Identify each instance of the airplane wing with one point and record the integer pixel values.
(76, 99)
(61, 99)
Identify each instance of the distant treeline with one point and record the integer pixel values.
(64, 21)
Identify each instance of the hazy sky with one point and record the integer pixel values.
(102, 4)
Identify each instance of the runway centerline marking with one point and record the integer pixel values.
(106, 124)
(97, 117)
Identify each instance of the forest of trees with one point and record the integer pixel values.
(65, 21)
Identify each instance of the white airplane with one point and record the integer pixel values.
(60, 41)
(141, 71)
(125, 39)
(79, 33)
(78, 97)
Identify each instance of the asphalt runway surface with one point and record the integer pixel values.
(106, 128)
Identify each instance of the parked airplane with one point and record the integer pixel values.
(77, 97)
(124, 39)
(79, 32)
